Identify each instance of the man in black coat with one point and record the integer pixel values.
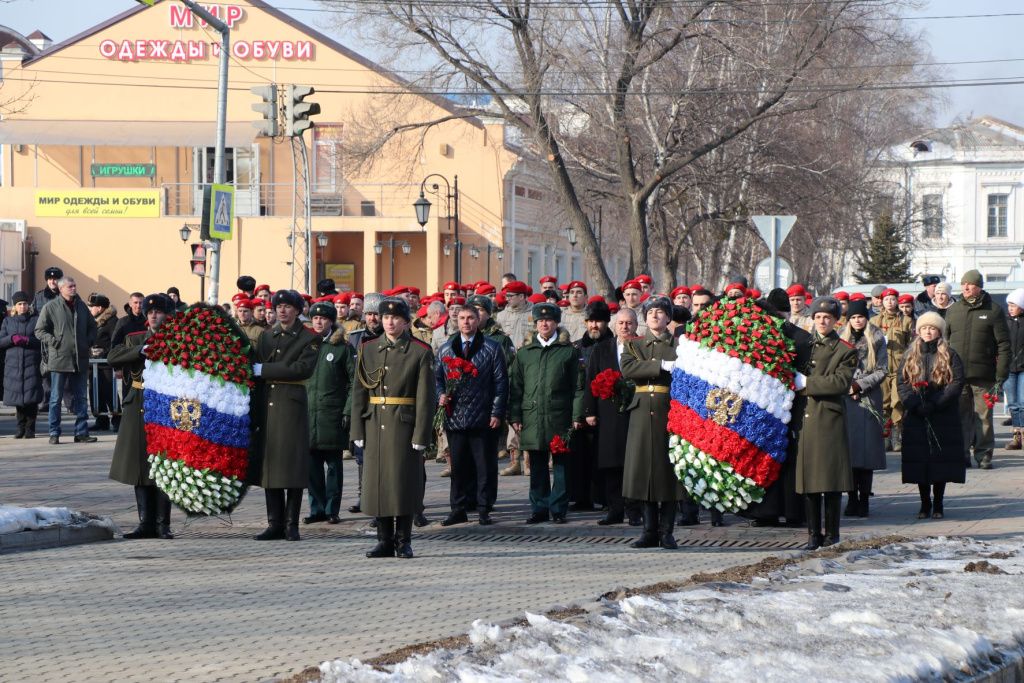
(474, 415)
(609, 424)
(581, 470)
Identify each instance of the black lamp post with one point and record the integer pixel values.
(184, 232)
(321, 241)
(422, 207)
(391, 244)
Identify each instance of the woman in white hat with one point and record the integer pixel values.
(1014, 385)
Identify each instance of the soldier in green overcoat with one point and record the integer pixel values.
(545, 400)
(285, 357)
(823, 460)
(131, 461)
(393, 406)
(648, 475)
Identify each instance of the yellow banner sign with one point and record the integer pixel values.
(88, 203)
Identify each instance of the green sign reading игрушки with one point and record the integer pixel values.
(122, 170)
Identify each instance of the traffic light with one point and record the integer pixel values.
(267, 125)
(296, 111)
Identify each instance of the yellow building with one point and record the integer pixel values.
(108, 139)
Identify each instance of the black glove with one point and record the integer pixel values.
(346, 422)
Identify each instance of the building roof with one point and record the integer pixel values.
(37, 34)
(9, 36)
(281, 16)
(983, 131)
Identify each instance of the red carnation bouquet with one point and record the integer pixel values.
(610, 385)
(560, 442)
(457, 371)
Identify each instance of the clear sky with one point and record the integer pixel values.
(951, 40)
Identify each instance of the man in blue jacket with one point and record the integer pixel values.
(474, 414)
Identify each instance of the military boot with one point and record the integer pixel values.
(403, 537)
(275, 516)
(814, 535)
(832, 503)
(145, 501)
(649, 536)
(666, 520)
(163, 516)
(385, 538)
(292, 508)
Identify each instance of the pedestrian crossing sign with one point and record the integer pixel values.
(219, 212)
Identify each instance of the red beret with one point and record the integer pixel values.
(451, 284)
(796, 290)
(594, 299)
(735, 285)
(548, 278)
(485, 288)
(564, 288)
(517, 287)
(356, 295)
(841, 296)
(694, 288)
(457, 301)
(889, 292)
(644, 279)
(500, 299)
(343, 298)
(421, 312)
(563, 303)
(857, 296)
(239, 297)
(906, 299)
(307, 298)
(631, 284)
(468, 286)
(243, 303)
(400, 289)
(414, 290)
(261, 288)
(754, 293)
(388, 292)
(614, 308)
(537, 298)
(578, 283)
(645, 296)
(808, 299)
(681, 289)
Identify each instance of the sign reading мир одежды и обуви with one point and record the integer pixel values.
(89, 203)
(176, 49)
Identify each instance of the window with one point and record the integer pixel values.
(997, 212)
(931, 220)
(520, 191)
(535, 194)
(326, 158)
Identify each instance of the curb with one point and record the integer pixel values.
(55, 537)
(1007, 667)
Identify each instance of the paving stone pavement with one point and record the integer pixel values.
(215, 605)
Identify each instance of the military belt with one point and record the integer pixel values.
(138, 385)
(654, 389)
(392, 401)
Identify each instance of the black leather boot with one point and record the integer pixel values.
(293, 508)
(19, 433)
(275, 516)
(666, 521)
(145, 501)
(833, 501)
(689, 513)
(163, 516)
(385, 538)
(403, 537)
(814, 535)
(853, 503)
(649, 536)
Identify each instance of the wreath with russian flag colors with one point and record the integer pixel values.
(198, 378)
(732, 392)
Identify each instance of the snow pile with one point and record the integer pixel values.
(906, 611)
(13, 519)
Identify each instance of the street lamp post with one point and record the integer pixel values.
(321, 241)
(499, 254)
(184, 232)
(570, 233)
(378, 249)
(422, 208)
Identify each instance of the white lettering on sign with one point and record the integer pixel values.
(181, 17)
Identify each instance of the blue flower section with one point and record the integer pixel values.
(215, 427)
(754, 424)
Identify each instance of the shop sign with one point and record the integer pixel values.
(88, 203)
(122, 170)
(178, 50)
(343, 274)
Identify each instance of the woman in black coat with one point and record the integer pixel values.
(23, 385)
(929, 382)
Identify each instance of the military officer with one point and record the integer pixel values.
(393, 408)
(285, 357)
(648, 475)
(823, 461)
(130, 464)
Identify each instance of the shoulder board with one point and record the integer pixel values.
(133, 334)
(846, 343)
(421, 343)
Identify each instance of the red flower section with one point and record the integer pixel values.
(990, 399)
(558, 446)
(603, 385)
(196, 452)
(203, 339)
(724, 444)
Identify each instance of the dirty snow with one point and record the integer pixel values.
(905, 611)
(14, 518)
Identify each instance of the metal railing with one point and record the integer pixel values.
(95, 366)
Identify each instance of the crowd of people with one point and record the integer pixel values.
(510, 368)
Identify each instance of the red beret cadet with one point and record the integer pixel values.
(468, 286)
(644, 279)
(808, 299)
(577, 284)
(457, 301)
(645, 296)
(548, 278)
(484, 289)
(388, 292)
(243, 303)
(564, 288)
(889, 292)
(500, 299)
(841, 296)
(529, 290)
(796, 290)
(735, 285)
(563, 303)
(905, 299)
(681, 289)
(754, 293)
(537, 298)
(307, 298)
(262, 288)
(356, 295)
(451, 284)
(614, 308)
(631, 284)
(413, 290)
(239, 297)
(857, 296)
(694, 288)
(343, 298)
(421, 312)
(517, 287)
(594, 299)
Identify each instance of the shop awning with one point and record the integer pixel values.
(123, 133)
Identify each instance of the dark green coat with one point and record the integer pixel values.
(329, 393)
(130, 464)
(279, 452)
(492, 330)
(823, 458)
(545, 391)
(648, 471)
(978, 332)
(392, 468)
